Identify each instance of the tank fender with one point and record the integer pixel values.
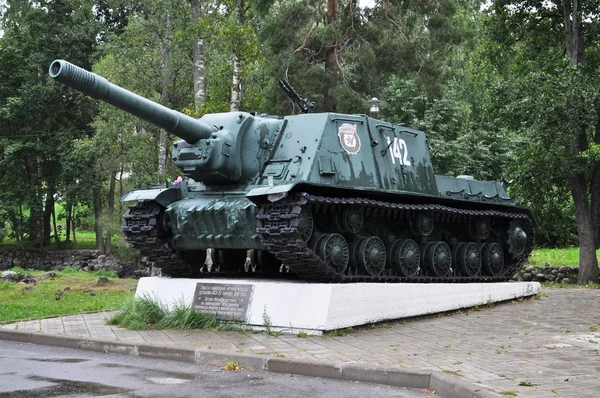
(163, 196)
(271, 193)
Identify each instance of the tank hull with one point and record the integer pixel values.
(382, 237)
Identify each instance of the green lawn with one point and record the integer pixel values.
(85, 240)
(80, 293)
(557, 257)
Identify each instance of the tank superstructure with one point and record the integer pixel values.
(331, 197)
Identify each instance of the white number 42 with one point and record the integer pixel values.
(398, 150)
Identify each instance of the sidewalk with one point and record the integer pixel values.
(536, 348)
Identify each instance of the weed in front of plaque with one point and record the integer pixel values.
(147, 313)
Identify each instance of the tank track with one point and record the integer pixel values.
(141, 229)
(280, 232)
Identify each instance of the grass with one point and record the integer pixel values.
(527, 384)
(232, 366)
(147, 313)
(77, 291)
(339, 332)
(86, 240)
(568, 257)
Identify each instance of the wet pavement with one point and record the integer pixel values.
(542, 347)
(33, 371)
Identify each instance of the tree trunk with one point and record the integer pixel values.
(19, 230)
(111, 212)
(198, 48)
(56, 237)
(121, 193)
(69, 211)
(46, 228)
(97, 225)
(331, 55)
(236, 83)
(588, 262)
(585, 212)
(595, 184)
(74, 236)
(166, 78)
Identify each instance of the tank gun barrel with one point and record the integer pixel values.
(186, 127)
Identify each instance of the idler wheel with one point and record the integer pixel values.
(371, 255)
(306, 224)
(423, 224)
(334, 251)
(492, 259)
(437, 257)
(480, 228)
(517, 240)
(469, 258)
(350, 219)
(404, 256)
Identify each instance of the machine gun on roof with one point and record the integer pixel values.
(306, 106)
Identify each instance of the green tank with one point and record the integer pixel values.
(316, 196)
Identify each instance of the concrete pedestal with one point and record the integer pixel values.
(314, 307)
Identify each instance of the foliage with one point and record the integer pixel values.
(545, 61)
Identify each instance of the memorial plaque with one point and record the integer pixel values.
(224, 300)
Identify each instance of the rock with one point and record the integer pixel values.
(527, 277)
(541, 276)
(561, 275)
(529, 269)
(566, 280)
(103, 281)
(28, 287)
(102, 257)
(565, 270)
(11, 276)
(550, 277)
(554, 272)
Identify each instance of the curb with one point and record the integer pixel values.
(444, 385)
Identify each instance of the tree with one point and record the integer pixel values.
(198, 55)
(38, 118)
(550, 92)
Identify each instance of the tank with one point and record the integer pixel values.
(322, 197)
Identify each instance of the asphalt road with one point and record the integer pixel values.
(28, 371)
